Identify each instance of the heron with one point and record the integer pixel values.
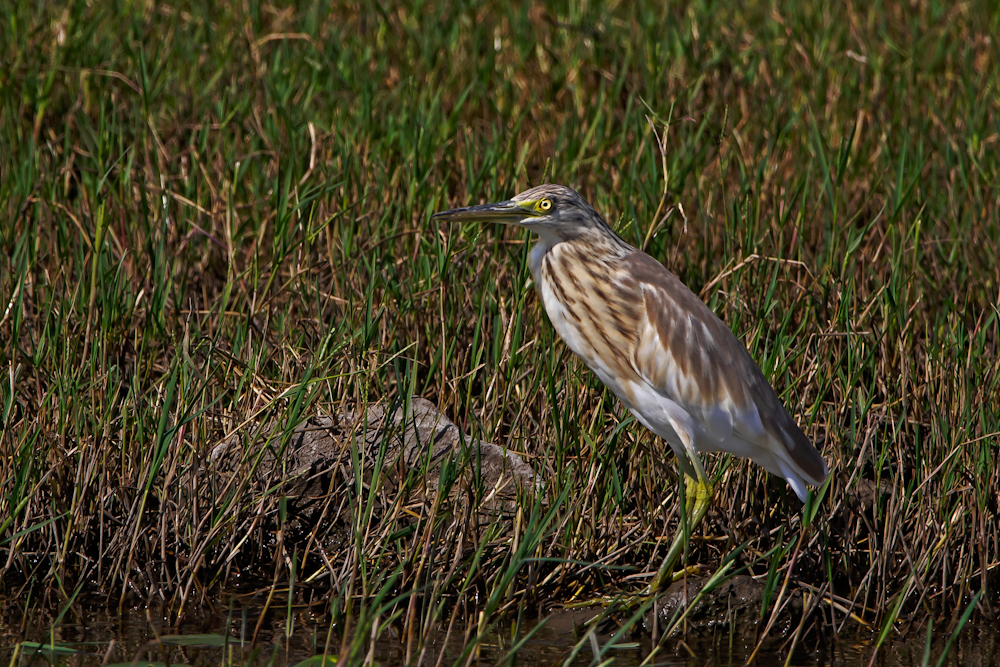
(666, 355)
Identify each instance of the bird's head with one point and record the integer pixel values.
(554, 212)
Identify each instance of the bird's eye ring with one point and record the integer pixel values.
(545, 204)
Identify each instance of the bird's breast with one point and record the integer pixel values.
(591, 311)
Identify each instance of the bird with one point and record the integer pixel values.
(673, 363)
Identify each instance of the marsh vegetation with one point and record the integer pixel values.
(215, 223)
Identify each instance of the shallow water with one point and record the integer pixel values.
(99, 637)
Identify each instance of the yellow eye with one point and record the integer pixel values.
(545, 205)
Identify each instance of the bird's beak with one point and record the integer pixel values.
(509, 212)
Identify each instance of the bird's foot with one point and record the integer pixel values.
(698, 494)
(689, 571)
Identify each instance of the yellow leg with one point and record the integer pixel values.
(698, 498)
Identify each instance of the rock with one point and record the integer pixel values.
(394, 444)
(865, 493)
(733, 605)
(425, 438)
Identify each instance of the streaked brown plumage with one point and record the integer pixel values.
(675, 365)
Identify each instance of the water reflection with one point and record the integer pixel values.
(95, 637)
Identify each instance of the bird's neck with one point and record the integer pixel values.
(536, 255)
(602, 247)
